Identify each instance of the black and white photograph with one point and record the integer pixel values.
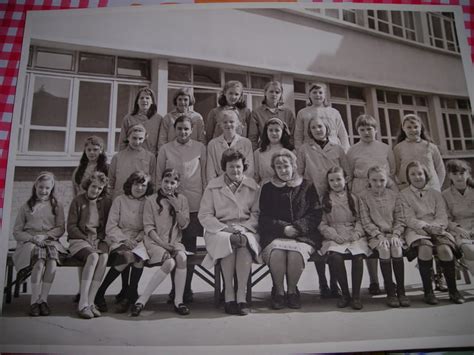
(240, 178)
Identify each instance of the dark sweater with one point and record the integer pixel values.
(290, 206)
(79, 216)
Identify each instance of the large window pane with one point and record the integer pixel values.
(394, 121)
(383, 125)
(466, 127)
(205, 102)
(299, 86)
(259, 81)
(424, 119)
(139, 68)
(50, 101)
(356, 111)
(125, 99)
(46, 141)
(179, 72)
(453, 120)
(397, 17)
(96, 64)
(207, 75)
(299, 105)
(242, 77)
(356, 93)
(392, 97)
(81, 137)
(349, 16)
(343, 111)
(61, 61)
(338, 91)
(94, 104)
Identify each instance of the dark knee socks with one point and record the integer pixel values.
(357, 272)
(109, 278)
(321, 270)
(336, 262)
(450, 274)
(125, 277)
(386, 268)
(189, 278)
(399, 271)
(135, 275)
(426, 268)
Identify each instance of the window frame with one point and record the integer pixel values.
(447, 129)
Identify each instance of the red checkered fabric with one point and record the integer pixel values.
(13, 15)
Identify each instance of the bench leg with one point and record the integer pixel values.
(249, 289)
(217, 284)
(17, 286)
(25, 287)
(8, 287)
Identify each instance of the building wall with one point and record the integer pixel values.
(267, 39)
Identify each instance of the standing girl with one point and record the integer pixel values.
(144, 113)
(182, 100)
(413, 143)
(343, 235)
(427, 220)
(93, 159)
(165, 215)
(275, 136)
(38, 227)
(381, 215)
(188, 157)
(125, 239)
(459, 199)
(315, 158)
(133, 158)
(272, 106)
(360, 157)
(228, 121)
(320, 108)
(231, 98)
(86, 233)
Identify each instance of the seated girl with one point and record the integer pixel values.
(86, 233)
(290, 213)
(125, 238)
(427, 220)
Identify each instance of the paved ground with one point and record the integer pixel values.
(318, 327)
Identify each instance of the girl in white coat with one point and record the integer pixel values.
(229, 215)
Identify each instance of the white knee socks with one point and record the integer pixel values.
(155, 281)
(179, 282)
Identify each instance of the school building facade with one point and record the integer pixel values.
(84, 69)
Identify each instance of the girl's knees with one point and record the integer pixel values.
(181, 260)
(444, 253)
(168, 266)
(92, 259)
(468, 251)
(277, 256)
(39, 264)
(295, 257)
(384, 252)
(425, 252)
(396, 252)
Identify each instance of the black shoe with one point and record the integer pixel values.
(121, 295)
(182, 309)
(456, 297)
(374, 289)
(231, 307)
(393, 301)
(293, 300)
(76, 298)
(44, 309)
(356, 304)
(278, 301)
(344, 301)
(137, 308)
(100, 304)
(35, 310)
(243, 309)
(335, 292)
(324, 292)
(430, 298)
(122, 306)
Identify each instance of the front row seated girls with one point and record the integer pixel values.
(38, 227)
(86, 234)
(381, 215)
(343, 236)
(459, 199)
(124, 234)
(229, 215)
(426, 234)
(165, 215)
(290, 213)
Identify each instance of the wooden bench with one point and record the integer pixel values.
(13, 286)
